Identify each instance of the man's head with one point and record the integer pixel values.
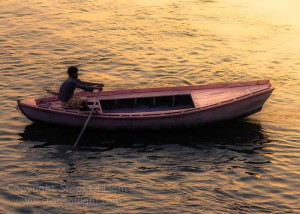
(73, 72)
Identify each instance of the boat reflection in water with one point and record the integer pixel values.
(239, 133)
(239, 146)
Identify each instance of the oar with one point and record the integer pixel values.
(50, 91)
(87, 120)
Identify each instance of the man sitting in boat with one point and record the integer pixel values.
(66, 90)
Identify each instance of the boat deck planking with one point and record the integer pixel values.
(208, 97)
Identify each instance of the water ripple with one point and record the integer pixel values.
(249, 166)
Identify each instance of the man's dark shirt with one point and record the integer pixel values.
(66, 90)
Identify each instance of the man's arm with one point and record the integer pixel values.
(91, 83)
(79, 84)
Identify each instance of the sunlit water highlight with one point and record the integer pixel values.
(248, 166)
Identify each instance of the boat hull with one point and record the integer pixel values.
(230, 110)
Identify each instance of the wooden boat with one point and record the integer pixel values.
(155, 108)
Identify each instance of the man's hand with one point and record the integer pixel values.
(100, 84)
(98, 88)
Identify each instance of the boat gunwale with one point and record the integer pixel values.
(155, 115)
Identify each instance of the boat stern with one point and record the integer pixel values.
(24, 105)
(30, 102)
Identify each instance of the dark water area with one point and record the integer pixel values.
(247, 166)
(181, 166)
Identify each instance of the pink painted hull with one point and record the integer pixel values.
(231, 109)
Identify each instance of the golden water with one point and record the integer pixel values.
(252, 166)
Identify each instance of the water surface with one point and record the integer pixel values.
(247, 166)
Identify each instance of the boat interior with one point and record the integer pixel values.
(147, 104)
(158, 102)
(131, 105)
